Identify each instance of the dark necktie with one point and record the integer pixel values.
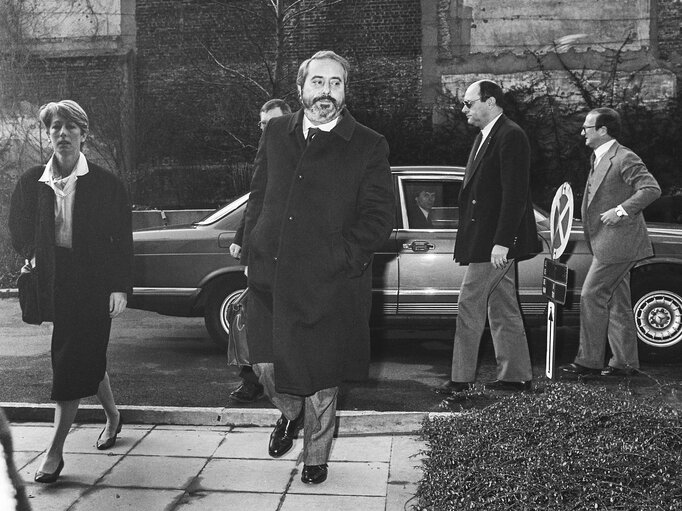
(472, 157)
(311, 134)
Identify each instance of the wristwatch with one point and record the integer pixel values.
(620, 211)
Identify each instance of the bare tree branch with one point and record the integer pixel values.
(234, 71)
(305, 10)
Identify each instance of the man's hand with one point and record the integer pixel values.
(235, 250)
(117, 303)
(610, 217)
(498, 257)
(246, 271)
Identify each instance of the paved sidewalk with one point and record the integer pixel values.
(169, 468)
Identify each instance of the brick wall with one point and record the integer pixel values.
(98, 83)
(669, 28)
(194, 114)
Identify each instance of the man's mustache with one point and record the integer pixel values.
(325, 97)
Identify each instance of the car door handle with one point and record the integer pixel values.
(420, 246)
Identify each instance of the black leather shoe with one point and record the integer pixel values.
(282, 437)
(314, 474)
(578, 369)
(49, 477)
(451, 387)
(247, 392)
(616, 371)
(103, 445)
(508, 385)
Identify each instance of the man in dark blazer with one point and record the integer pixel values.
(321, 203)
(497, 227)
(618, 188)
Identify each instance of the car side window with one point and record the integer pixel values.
(430, 203)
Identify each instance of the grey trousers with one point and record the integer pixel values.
(606, 313)
(490, 292)
(319, 419)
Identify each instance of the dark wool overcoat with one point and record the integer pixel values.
(495, 206)
(315, 216)
(102, 232)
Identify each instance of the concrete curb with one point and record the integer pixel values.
(348, 422)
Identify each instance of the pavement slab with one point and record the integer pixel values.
(208, 468)
(119, 499)
(202, 501)
(153, 472)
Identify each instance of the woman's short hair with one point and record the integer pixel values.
(67, 109)
(320, 55)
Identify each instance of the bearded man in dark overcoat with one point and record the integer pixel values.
(321, 203)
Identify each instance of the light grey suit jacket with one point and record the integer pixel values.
(619, 178)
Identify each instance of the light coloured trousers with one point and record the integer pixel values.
(319, 420)
(490, 293)
(606, 313)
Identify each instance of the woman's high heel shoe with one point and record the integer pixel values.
(109, 442)
(49, 477)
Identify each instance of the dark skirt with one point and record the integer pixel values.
(81, 332)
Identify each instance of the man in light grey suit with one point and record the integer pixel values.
(618, 188)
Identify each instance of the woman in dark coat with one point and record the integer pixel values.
(72, 220)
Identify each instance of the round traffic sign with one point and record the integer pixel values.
(561, 220)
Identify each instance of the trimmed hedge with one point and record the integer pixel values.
(571, 447)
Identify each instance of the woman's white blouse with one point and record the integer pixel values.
(64, 195)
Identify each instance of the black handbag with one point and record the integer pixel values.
(27, 283)
(237, 347)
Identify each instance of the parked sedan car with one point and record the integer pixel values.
(187, 270)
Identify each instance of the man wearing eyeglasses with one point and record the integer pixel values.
(618, 188)
(250, 390)
(496, 227)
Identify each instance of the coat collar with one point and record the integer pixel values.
(344, 128)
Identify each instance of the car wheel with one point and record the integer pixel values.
(215, 312)
(658, 317)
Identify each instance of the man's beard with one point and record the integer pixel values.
(322, 113)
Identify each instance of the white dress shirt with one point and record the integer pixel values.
(486, 131)
(328, 126)
(64, 195)
(600, 151)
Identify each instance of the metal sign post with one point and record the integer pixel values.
(554, 273)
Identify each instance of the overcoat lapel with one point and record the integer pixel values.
(82, 208)
(470, 163)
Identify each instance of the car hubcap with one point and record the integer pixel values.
(224, 308)
(658, 317)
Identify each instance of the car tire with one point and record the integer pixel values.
(657, 306)
(215, 311)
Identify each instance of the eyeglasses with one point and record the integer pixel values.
(262, 124)
(468, 103)
(584, 128)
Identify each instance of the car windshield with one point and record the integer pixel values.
(222, 212)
